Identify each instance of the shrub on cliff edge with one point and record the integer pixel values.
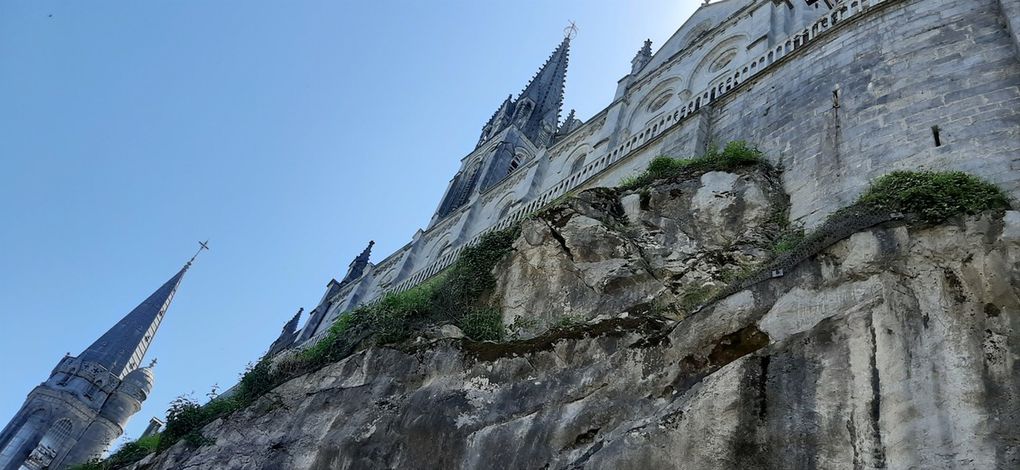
(128, 453)
(734, 155)
(934, 196)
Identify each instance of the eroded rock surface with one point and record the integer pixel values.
(895, 348)
(606, 253)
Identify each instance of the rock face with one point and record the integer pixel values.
(895, 348)
(603, 253)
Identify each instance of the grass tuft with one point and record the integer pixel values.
(734, 155)
(934, 196)
(454, 296)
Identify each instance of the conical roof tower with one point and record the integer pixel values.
(123, 346)
(545, 93)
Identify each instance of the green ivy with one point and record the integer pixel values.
(734, 155)
(452, 297)
(484, 324)
(129, 453)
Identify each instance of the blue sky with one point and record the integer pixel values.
(289, 133)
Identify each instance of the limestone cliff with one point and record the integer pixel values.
(893, 348)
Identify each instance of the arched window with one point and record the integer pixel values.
(506, 210)
(523, 111)
(58, 433)
(16, 446)
(722, 60)
(578, 164)
(660, 101)
(515, 163)
(460, 190)
(51, 444)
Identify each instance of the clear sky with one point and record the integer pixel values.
(289, 133)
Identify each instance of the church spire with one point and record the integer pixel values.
(642, 57)
(538, 108)
(357, 267)
(122, 348)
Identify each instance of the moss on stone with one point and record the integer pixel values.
(734, 155)
(932, 196)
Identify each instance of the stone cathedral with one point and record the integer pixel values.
(87, 401)
(835, 92)
(827, 87)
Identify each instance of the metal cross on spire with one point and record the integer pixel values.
(201, 246)
(570, 32)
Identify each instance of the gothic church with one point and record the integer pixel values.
(77, 413)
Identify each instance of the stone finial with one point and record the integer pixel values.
(643, 56)
(357, 267)
(291, 326)
(570, 116)
(569, 124)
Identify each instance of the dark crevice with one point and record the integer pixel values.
(955, 286)
(852, 430)
(729, 348)
(579, 463)
(586, 438)
(488, 351)
(763, 380)
(559, 238)
(876, 402)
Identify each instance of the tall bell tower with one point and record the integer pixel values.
(88, 399)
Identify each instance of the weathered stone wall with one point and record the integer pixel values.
(859, 100)
(1011, 14)
(898, 73)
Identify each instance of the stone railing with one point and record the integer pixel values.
(842, 12)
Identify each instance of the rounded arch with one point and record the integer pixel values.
(578, 164)
(59, 432)
(24, 439)
(438, 249)
(569, 161)
(520, 157)
(505, 210)
(696, 32)
(53, 442)
(523, 111)
(723, 60)
(719, 59)
(501, 207)
(653, 103)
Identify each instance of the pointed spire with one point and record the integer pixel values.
(498, 121)
(642, 58)
(537, 110)
(569, 124)
(357, 267)
(545, 93)
(122, 347)
(287, 336)
(291, 326)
